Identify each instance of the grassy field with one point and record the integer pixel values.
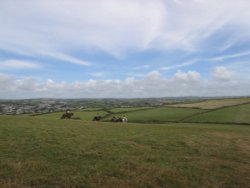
(120, 110)
(233, 114)
(159, 115)
(46, 152)
(213, 104)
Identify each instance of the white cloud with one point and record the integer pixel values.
(26, 84)
(222, 74)
(6, 82)
(187, 76)
(154, 75)
(18, 64)
(152, 85)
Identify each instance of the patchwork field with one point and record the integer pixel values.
(213, 104)
(47, 152)
(237, 113)
(120, 110)
(233, 114)
(158, 115)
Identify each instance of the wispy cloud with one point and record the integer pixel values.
(19, 64)
(183, 64)
(119, 26)
(202, 59)
(224, 57)
(66, 58)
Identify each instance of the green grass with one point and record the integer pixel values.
(234, 114)
(159, 115)
(46, 152)
(119, 110)
(214, 104)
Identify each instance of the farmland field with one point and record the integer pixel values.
(234, 110)
(233, 114)
(213, 104)
(165, 114)
(119, 110)
(40, 152)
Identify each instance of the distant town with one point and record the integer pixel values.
(31, 107)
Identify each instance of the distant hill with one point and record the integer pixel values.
(46, 105)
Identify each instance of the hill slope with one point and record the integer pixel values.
(40, 152)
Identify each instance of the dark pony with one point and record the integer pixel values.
(115, 119)
(67, 115)
(97, 118)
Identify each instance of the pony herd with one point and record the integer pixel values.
(113, 119)
(119, 119)
(68, 115)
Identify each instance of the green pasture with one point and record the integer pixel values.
(128, 109)
(92, 109)
(164, 114)
(214, 103)
(51, 153)
(233, 114)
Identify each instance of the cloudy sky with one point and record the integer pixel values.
(124, 48)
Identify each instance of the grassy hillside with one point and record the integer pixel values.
(234, 114)
(213, 104)
(44, 152)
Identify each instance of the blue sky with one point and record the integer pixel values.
(118, 48)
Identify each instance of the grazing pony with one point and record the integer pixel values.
(97, 118)
(124, 119)
(114, 119)
(119, 119)
(67, 115)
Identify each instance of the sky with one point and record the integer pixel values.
(124, 48)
